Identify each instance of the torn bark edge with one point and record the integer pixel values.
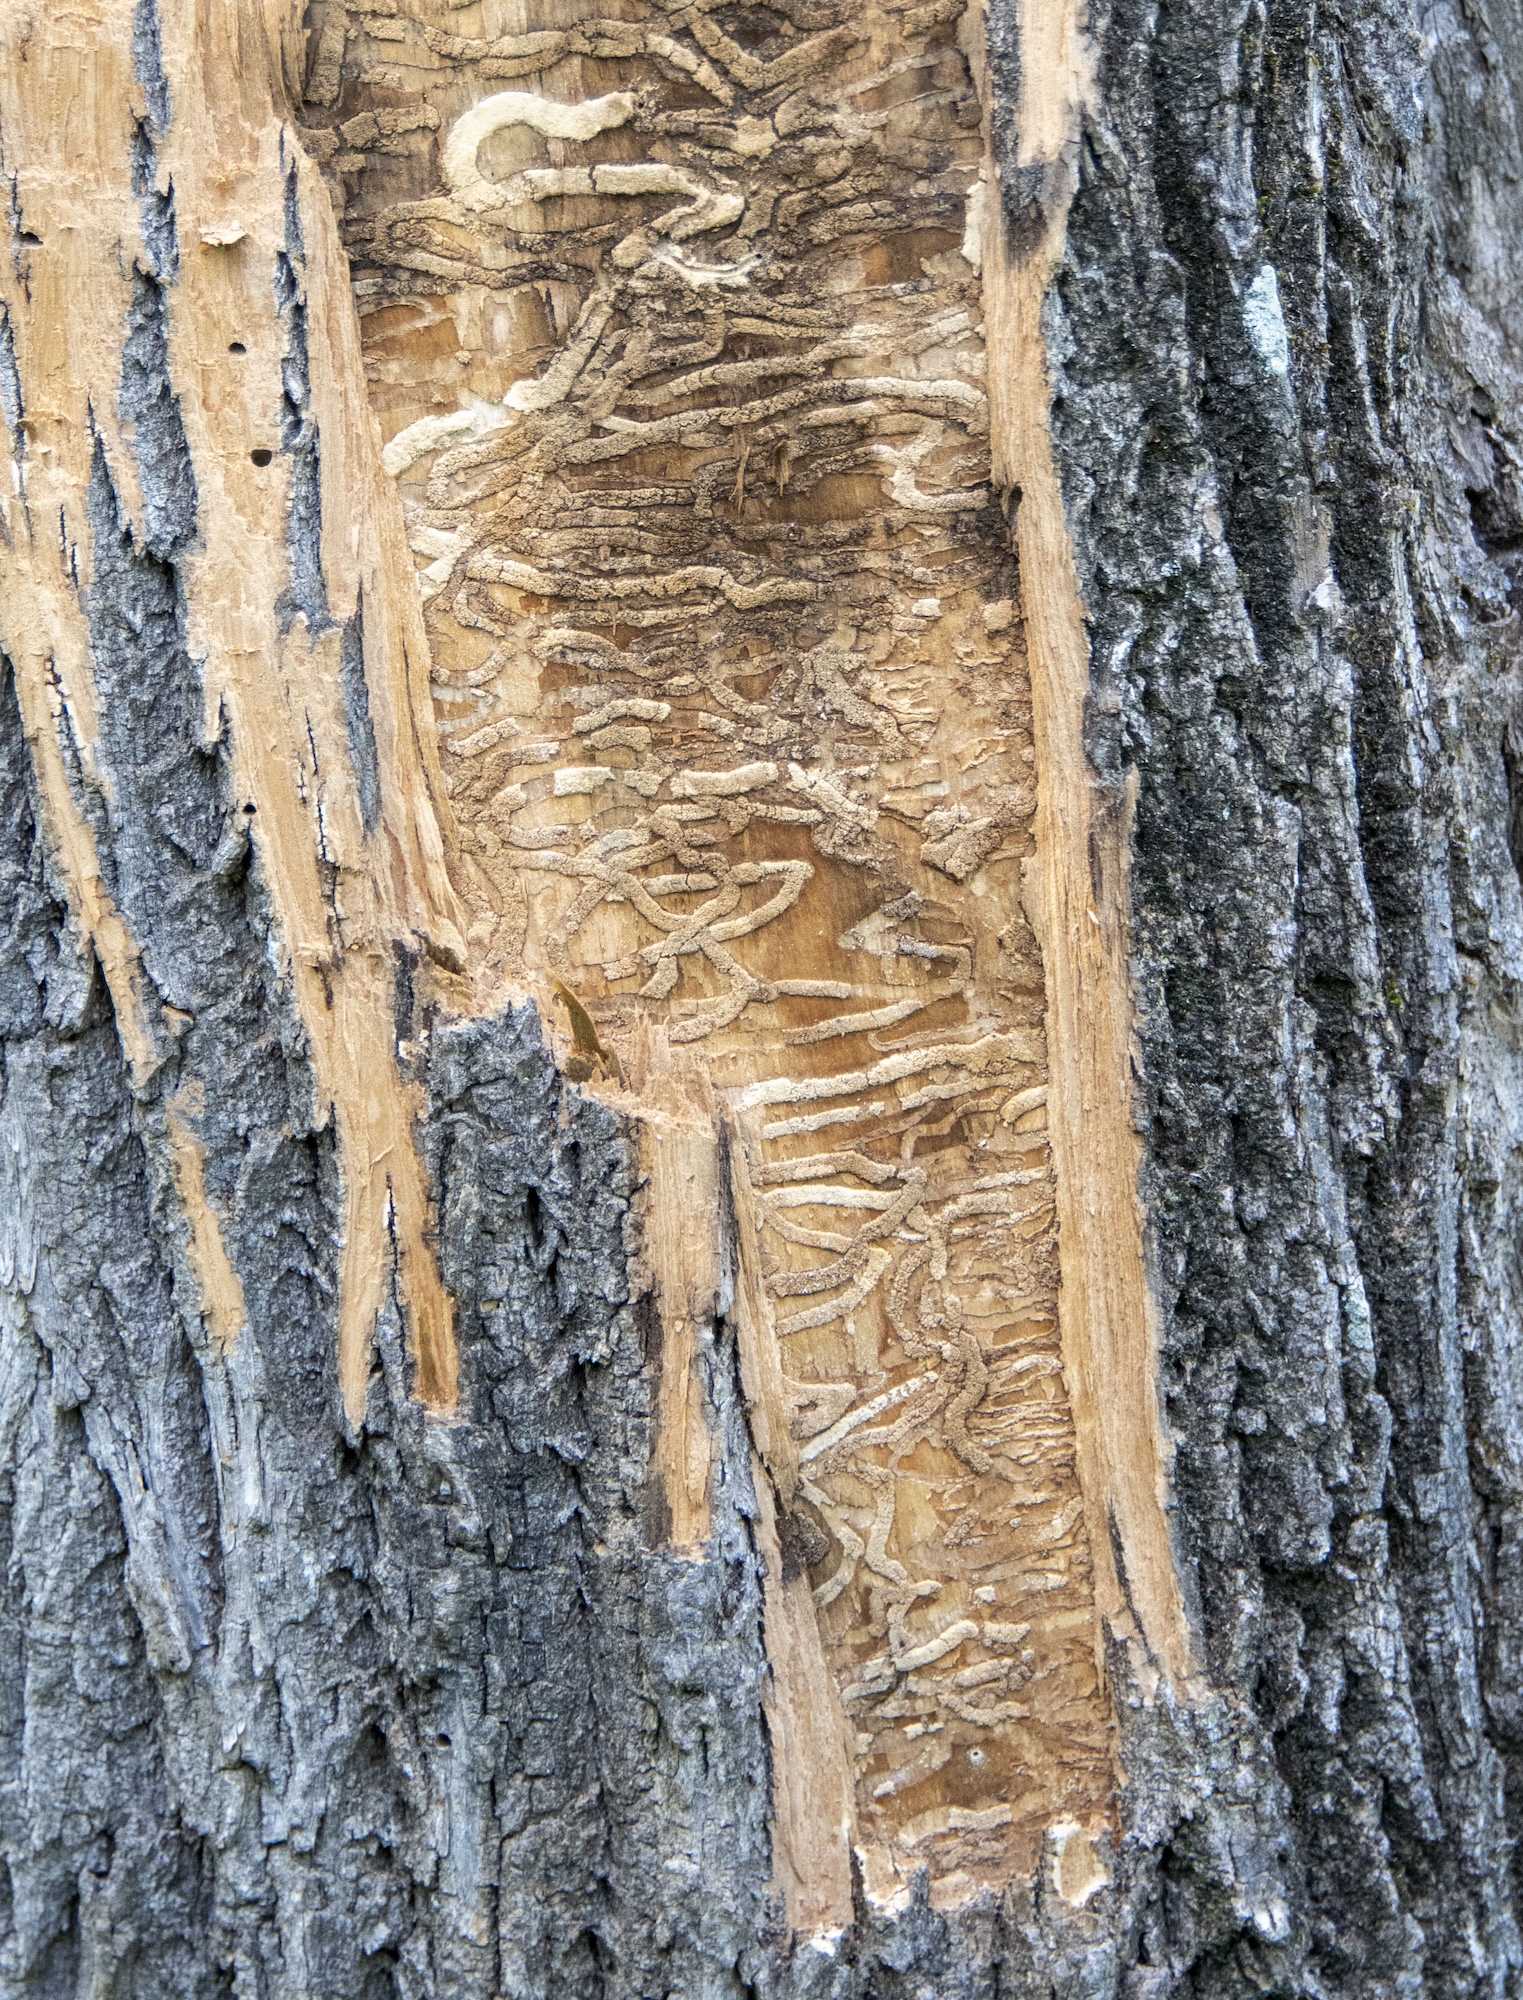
(1079, 892)
(814, 1829)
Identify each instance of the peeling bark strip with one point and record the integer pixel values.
(221, 470)
(678, 347)
(1082, 892)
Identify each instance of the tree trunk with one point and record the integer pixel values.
(762, 1000)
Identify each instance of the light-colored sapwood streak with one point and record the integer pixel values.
(676, 332)
(218, 1283)
(683, 1253)
(1081, 898)
(254, 249)
(42, 633)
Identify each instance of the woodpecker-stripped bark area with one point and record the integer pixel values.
(739, 737)
(757, 971)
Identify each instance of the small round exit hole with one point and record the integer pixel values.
(262, 456)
